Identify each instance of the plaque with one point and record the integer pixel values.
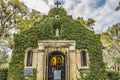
(57, 75)
(28, 72)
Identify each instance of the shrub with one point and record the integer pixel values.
(3, 73)
(113, 75)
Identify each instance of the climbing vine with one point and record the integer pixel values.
(69, 30)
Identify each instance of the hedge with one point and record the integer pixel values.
(3, 73)
(113, 75)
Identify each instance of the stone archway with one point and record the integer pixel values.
(56, 66)
(56, 48)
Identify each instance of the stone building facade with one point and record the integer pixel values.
(55, 60)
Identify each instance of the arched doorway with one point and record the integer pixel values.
(56, 66)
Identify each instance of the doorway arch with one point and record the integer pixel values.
(56, 65)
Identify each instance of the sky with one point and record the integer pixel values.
(102, 11)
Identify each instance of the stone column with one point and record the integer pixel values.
(40, 61)
(67, 66)
(72, 63)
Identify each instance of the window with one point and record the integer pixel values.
(29, 58)
(83, 58)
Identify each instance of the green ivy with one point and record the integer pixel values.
(69, 30)
(3, 73)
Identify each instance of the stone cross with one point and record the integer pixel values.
(57, 3)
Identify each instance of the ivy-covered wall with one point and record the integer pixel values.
(69, 30)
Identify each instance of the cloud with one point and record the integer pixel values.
(39, 5)
(102, 11)
(97, 3)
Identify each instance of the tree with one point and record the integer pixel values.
(82, 21)
(29, 21)
(111, 42)
(118, 7)
(86, 23)
(14, 15)
(11, 12)
(90, 22)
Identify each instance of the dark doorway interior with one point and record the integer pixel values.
(56, 66)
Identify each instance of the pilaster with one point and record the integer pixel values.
(40, 68)
(72, 60)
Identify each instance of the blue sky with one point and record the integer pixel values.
(102, 11)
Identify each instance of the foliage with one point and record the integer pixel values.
(56, 11)
(3, 73)
(15, 17)
(3, 57)
(113, 75)
(118, 60)
(86, 23)
(69, 30)
(118, 7)
(83, 73)
(110, 40)
(10, 13)
(28, 22)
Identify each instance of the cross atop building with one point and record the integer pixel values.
(57, 3)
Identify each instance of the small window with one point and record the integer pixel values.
(83, 58)
(29, 58)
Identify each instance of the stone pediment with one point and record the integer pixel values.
(56, 43)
